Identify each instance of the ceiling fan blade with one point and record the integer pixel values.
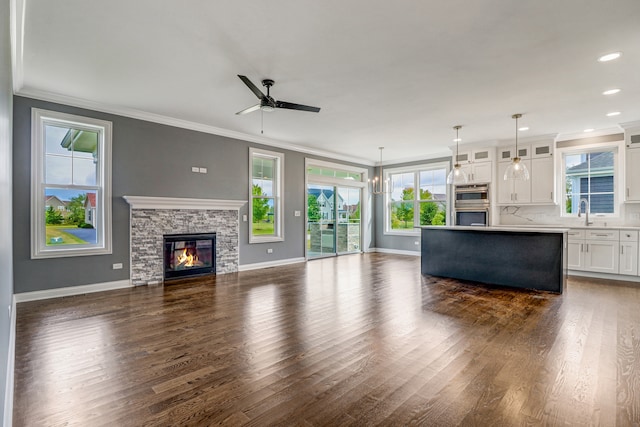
(249, 109)
(253, 87)
(300, 107)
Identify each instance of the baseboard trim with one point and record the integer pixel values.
(72, 290)
(259, 265)
(396, 251)
(620, 277)
(11, 357)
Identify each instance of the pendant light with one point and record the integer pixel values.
(516, 170)
(457, 176)
(378, 185)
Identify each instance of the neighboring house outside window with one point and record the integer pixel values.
(407, 208)
(265, 190)
(71, 185)
(590, 176)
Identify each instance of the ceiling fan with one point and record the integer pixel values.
(267, 103)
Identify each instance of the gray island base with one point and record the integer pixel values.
(515, 257)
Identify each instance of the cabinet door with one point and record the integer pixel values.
(629, 258)
(575, 256)
(522, 189)
(633, 175)
(542, 180)
(482, 171)
(505, 188)
(601, 256)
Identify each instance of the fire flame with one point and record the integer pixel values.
(186, 259)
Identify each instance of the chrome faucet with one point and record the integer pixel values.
(586, 211)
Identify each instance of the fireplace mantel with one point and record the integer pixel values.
(147, 202)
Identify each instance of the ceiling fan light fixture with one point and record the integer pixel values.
(516, 169)
(457, 175)
(267, 108)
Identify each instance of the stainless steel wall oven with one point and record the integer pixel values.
(472, 205)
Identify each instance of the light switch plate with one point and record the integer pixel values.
(296, 213)
(203, 170)
(195, 169)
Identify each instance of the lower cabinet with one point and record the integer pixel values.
(601, 256)
(603, 251)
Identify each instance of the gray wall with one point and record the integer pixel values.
(150, 159)
(6, 270)
(395, 242)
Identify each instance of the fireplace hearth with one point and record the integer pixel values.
(189, 255)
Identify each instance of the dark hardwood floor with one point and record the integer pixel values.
(360, 339)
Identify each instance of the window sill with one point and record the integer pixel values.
(64, 253)
(253, 240)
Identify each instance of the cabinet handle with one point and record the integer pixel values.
(627, 191)
(602, 235)
(622, 250)
(587, 246)
(581, 247)
(552, 195)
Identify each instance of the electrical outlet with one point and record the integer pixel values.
(244, 218)
(417, 243)
(269, 251)
(296, 213)
(117, 266)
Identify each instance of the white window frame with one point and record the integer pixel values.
(278, 196)
(618, 148)
(416, 169)
(39, 119)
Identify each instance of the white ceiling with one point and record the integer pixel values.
(396, 74)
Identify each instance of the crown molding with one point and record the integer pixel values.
(179, 123)
(146, 202)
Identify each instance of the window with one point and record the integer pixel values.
(265, 201)
(590, 178)
(408, 208)
(71, 172)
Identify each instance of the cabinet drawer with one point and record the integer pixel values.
(575, 235)
(628, 235)
(602, 234)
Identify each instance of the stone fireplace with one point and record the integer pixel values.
(153, 217)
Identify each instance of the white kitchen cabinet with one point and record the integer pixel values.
(575, 250)
(628, 252)
(633, 175)
(601, 256)
(516, 191)
(594, 250)
(477, 164)
(540, 187)
(542, 180)
(575, 255)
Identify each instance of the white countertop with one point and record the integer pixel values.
(501, 228)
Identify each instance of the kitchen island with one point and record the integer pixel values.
(531, 258)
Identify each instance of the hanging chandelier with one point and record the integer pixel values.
(516, 170)
(377, 184)
(457, 176)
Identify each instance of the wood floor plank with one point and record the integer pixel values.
(352, 340)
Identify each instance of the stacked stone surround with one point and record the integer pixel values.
(149, 225)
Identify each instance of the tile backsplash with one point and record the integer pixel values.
(550, 215)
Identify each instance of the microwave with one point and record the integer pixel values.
(472, 196)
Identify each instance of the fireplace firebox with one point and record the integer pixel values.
(188, 255)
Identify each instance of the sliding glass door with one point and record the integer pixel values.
(333, 220)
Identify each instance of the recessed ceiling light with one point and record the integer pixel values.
(523, 128)
(609, 57)
(457, 139)
(613, 113)
(588, 130)
(611, 92)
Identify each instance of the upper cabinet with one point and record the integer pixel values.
(632, 178)
(477, 164)
(539, 189)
